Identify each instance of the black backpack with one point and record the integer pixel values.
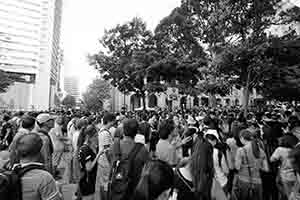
(10, 181)
(121, 180)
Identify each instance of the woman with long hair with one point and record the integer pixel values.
(196, 180)
(250, 161)
(87, 156)
(155, 182)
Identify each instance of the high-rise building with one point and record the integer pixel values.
(29, 46)
(71, 86)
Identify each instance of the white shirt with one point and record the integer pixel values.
(75, 139)
(220, 170)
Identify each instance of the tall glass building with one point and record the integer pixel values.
(29, 46)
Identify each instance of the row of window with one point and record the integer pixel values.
(20, 51)
(17, 57)
(18, 46)
(20, 6)
(18, 62)
(18, 42)
(28, 2)
(22, 30)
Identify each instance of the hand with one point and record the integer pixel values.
(186, 140)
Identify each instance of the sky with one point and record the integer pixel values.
(84, 22)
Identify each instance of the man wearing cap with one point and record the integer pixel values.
(37, 183)
(45, 123)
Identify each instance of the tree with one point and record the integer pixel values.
(7, 79)
(284, 79)
(251, 24)
(193, 33)
(127, 56)
(69, 101)
(181, 55)
(97, 92)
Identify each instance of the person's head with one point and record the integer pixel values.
(293, 122)
(29, 146)
(81, 123)
(246, 137)
(202, 169)
(6, 118)
(166, 129)
(59, 121)
(28, 122)
(130, 127)
(156, 178)
(176, 120)
(212, 136)
(212, 114)
(91, 136)
(288, 141)
(45, 121)
(109, 119)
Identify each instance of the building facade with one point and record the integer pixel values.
(173, 100)
(71, 87)
(29, 46)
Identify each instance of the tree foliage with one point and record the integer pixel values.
(126, 58)
(69, 101)
(97, 92)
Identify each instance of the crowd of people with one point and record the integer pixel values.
(202, 154)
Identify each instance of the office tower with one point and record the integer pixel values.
(71, 86)
(29, 46)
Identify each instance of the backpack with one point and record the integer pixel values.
(10, 181)
(121, 179)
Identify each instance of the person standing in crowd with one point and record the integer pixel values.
(105, 140)
(156, 181)
(45, 123)
(196, 180)
(6, 134)
(219, 159)
(164, 149)
(189, 133)
(295, 158)
(145, 129)
(88, 163)
(77, 141)
(37, 184)
(125, 146)
(286, 177)
(56, 136)
(250, 161)
(27, 125)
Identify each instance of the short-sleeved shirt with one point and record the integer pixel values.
(247, 161)
(287, 172)
(105, 138)
(167, 152)
(39, 185)
(86, 154)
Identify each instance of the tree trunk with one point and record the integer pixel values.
(246, 94)
(144, 101)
